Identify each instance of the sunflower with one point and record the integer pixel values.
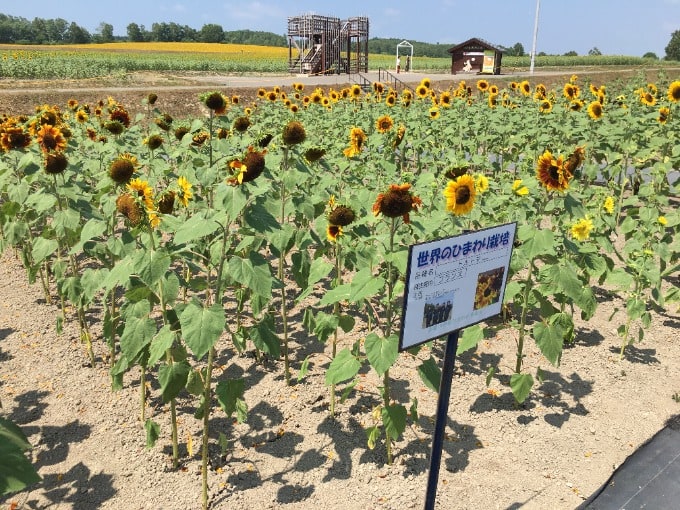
(575, 105)
(294, 133)
(355, 91)
(574, 161)
(422, 91)
(595, 110)
(434, 112)
(426, 82)
(241, 124)
(482, 85)
(167, 202)
(81, 116)
(315, 154)
(581, 229)
(525, 88)
(185, 193)
(152, 98)
(460, 195)
(397, 201)
(121, 115)
(357, 139)
(391, 100)
(400, 135)
(316, 97)
(272, 96)
(674, 91)
(608, 205)
(154, 142)
(261, 93)
(340, 215)
(519, 189)
(545, 106)
(333, 232)
(114, 127)
(550, 172)
(50, 138)
(14, 138)
(664, 112)
(514, 85)
(492, 101)
(55, 163)
(142, 190)
(481, 183)
(571, 91)
(122, 168)
(164, 122)
(216, 102)
(130, 208)
(445, 99)
(647, 98)
(384, 124)
(200, 138)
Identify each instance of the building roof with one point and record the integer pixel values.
(477, 41)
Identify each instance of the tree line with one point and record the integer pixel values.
(18, 30)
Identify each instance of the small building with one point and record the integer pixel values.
(475, 56)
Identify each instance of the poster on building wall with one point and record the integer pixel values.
(454, 282)
(489, 62)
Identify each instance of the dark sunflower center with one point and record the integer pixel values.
(554, 172)
(462, 195)
(50, 141)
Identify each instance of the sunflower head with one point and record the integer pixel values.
(180, 132)
(241, 124)
(130, 208)
(55, 162)
(314, 154)
(582, 228)
(674, 91)
(333, 232)
(166, 203)
(14, 138)
(152, 98)
(551, 174)
(397, 201)
(255, 164)
(215, 101)
(460, 195)
(122, 168)
(341, 215)
(294, 133)
(164, 122)
(384, 124)
(114, 127)
(154, 142)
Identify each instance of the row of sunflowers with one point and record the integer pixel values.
(200, 238)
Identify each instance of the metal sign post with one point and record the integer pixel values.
(442, 415)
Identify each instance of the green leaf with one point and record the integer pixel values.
(260, 220)
(430, 374)
(346, 323)
(201, 327)
(151, 271)
(343, 367)
(138, 333)
(521, 386)
(394, 420)
(196, 227)
(470, 338)
(43, 248)
(93, 228)
(550, 339)
(16, 472)
(535, 243)
(381, 352)
(153, 432)
(363, 285)
(325, 325)
(319, 269)
(229, 393)
(264, 337)
(173, 378)
(253, 272)
(233, 200)
(304, 369)
(620, 279)
(195, 382)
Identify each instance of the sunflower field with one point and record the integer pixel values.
(243, 230)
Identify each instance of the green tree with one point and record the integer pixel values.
(673, 48)
(211, 33)
(104, 32)
(594, 52)
(651, 55)
(135, 33)
(77, 35)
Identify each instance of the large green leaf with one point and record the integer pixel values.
(535, 243)
(394, 420)
(196, 227)
(343, 367)
(430, 374)
(233, 201)
(138, 333)
(325, 324)
(43, 248)
(253, 272)
(230, 398)
(550, 339)
(160, 343)
(151, 269)
(16, 472)
(381, 352)
(320, 268)
(470, 338)
(263, 335)
(153, 431)
(521, 386)
(363, 285)
(201, 326)
(173, 379)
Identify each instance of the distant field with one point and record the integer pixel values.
(95, 60)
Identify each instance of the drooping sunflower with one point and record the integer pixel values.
(674, 91)
(122, 168)
(185, 193)
(294, 133)
(397, 201)
(400, 135)
(341, 215)
(595, 110)
(384, 124)
(460, 195)
(481, 183)
(152, 98)
(574, 161)
(55, 163)
(130, 208)
(166, 203)
(550, 172)
(664, 112)
(114, 127)
(608, 205)
(581, 229)
(357, 140)
(121, 115)
(154, 142)
(241, 124)
(50, 138)
(13, 137)
(576, 105)
(315, 154)
(199, 138)
(164, 122)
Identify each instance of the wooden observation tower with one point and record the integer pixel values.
(327, 45)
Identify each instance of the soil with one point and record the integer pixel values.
(581, 422)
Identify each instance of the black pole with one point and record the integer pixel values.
(442, 415)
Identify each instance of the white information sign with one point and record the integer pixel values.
(455, 282)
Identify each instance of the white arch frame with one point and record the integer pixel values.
(406, 44)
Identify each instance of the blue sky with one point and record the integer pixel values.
(615, 27)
